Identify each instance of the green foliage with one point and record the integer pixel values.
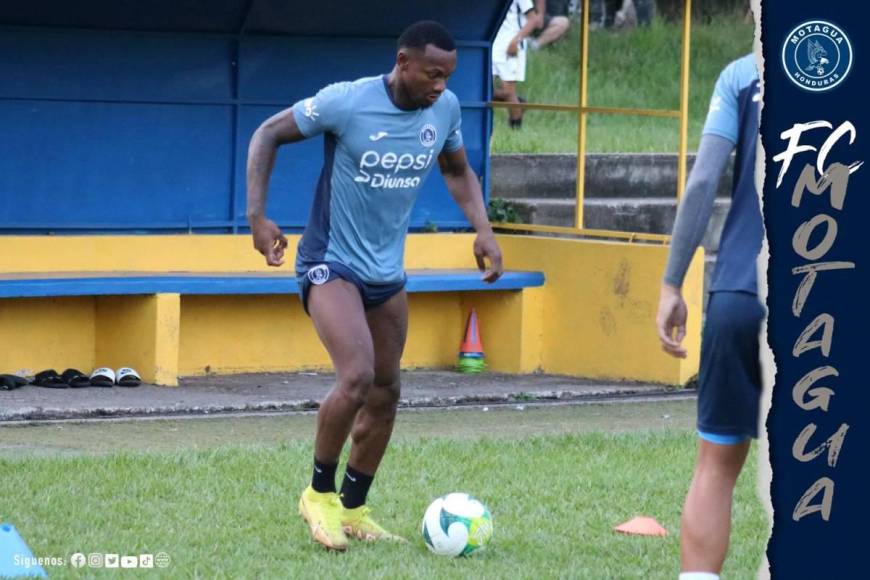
(430, 227)
(504, 211)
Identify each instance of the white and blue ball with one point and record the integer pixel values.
(456, 524)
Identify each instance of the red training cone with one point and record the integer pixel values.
(641, 526)
(472, 344)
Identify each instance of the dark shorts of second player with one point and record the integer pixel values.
(729, 385)
(318, 273)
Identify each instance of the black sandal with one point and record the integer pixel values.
(75, 378)
(49, 379)
(11, 382)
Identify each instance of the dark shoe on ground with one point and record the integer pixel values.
(50, 379)
(11, 382)
(75, 378)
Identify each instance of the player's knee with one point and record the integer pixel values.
(356, 383)
(388, 395)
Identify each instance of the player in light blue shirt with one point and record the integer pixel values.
(729, 382)
(382, 136)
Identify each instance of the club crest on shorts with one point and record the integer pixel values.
(428, 135)
(817, 55)
(318, 274)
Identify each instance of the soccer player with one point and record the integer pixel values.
(382, 136)
(729, 387)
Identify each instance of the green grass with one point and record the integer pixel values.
(229, 511)
(638, 69)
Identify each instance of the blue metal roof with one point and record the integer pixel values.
(122, 115)
(476, 20)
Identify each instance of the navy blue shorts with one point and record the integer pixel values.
(729, 386)
(322, 272)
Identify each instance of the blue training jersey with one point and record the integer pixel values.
(734, 116)
(376, 157)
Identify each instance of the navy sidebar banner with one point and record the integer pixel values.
(815, 129)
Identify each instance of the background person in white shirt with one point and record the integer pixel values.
(509, 55)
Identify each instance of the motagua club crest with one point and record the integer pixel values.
(817, 55)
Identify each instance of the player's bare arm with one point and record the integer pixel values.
(274, 132)
(465, 189)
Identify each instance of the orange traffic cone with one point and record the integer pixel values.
(472, 344)
(471, 358)
(641, 526)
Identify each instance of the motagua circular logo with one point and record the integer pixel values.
(319, 274)
(428, 135)
(817, 55)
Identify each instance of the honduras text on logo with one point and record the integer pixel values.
(428, 135)
(319, 274)
(817, 55)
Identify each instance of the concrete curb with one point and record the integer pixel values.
(603, 393)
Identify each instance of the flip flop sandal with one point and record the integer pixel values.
(75, 378)
(10, 382)
(49, 378)
(103, 377)
(128, 377)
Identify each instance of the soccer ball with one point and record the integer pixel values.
(456, 524)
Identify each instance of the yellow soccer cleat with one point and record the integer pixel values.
(323, 513)
(357, 523)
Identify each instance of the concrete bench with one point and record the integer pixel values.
(194, 305)
(167, 324)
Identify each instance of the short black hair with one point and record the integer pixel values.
(424, 32)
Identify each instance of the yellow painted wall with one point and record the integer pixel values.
(42, 333)
(501, 316)
(238, 334)
(434, 330)
(139, 332)
(594, 317)
(600, 302)
(193, 253)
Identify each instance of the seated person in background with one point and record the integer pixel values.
(554, 24)
(509, 55)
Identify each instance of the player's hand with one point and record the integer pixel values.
(671, 321)
(514, 47)
(268, 240)
(485, 247)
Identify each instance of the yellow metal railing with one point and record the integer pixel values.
(582, 109)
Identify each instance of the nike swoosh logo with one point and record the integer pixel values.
(350, 477)
(378, 136)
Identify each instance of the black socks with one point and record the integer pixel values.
(355, 488)
(323, 480)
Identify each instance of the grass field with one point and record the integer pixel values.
(638, 69)
(227, 510)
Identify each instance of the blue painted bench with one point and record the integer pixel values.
(216, 283)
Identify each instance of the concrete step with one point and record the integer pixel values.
(647, 215)
(608, 175)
